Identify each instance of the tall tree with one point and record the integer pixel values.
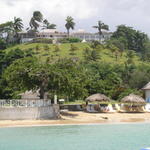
(6, 30)
(132, 39)
(9, 30)
(101, 26)
(47, 25)
(70, 24)
(35, 20)
(17, 26)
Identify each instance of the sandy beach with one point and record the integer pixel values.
(69, 118)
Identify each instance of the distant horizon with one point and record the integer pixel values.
(135, 13)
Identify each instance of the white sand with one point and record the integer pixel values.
(68, 118)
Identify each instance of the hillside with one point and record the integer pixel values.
(44, 51)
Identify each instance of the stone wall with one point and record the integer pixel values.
(29, 113)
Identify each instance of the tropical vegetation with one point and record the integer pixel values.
(73, 70)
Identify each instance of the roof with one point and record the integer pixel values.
(30, 95)
(146, 87)
(48, 31)
(132, 98)
(98, 97)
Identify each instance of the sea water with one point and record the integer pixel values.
(76, 137)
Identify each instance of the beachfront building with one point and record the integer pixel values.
(146, 89)
(133, 103)
(88, 36)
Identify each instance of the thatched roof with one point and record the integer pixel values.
(30, 95)
(133, 99)
(98, 97)
(146, 87)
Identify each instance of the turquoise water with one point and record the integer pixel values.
(90, 137)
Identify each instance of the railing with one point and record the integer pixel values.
(25, 103)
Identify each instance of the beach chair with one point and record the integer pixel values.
(147, 107)
(90, 108)
(117, 107)
(110, 108)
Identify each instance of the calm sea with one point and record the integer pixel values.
(85, 137)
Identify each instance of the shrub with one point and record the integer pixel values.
(69, 40)
(42, 40)
(3, 44)
(46, 47)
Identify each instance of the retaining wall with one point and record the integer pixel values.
(29, 113)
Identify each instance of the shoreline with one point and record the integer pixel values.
(82, 118)
(82, 124)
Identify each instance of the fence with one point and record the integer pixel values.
(25, 103)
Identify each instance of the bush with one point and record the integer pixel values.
(3, 44)
(74, 40)
(69, 40)
(42, 40)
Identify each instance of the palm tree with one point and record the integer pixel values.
(47, 25)
(35, 20)
(69, 24)
(11, 29)
(7, 30)
(130, 57)
(17, 24)
(17, 27)
(101, 26)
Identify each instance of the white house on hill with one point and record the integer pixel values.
(89, 36)
(51, 34)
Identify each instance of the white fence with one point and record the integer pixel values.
(25, 103)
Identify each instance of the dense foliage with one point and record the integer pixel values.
(131, 38)
(84, 71)
(68, 78)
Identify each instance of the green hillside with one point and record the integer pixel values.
(44, 51)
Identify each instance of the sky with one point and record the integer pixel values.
(134, 13)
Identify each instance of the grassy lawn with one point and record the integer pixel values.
(44, 51)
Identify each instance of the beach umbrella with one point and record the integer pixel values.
(98, 97)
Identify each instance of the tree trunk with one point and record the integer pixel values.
(42, 93)
(68, 33)
(99, 37)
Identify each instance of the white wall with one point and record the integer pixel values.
(147, 94)
(30, 113)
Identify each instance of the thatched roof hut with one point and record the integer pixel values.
(98, 97)
(134, 99)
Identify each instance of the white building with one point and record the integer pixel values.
(46, 33)
(146, 88)
(51, 34)
(88, 36)
(27, 36)
(55, 34)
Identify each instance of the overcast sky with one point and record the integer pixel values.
(86, 13)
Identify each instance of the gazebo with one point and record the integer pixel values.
(99, 103)
(133, 103)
